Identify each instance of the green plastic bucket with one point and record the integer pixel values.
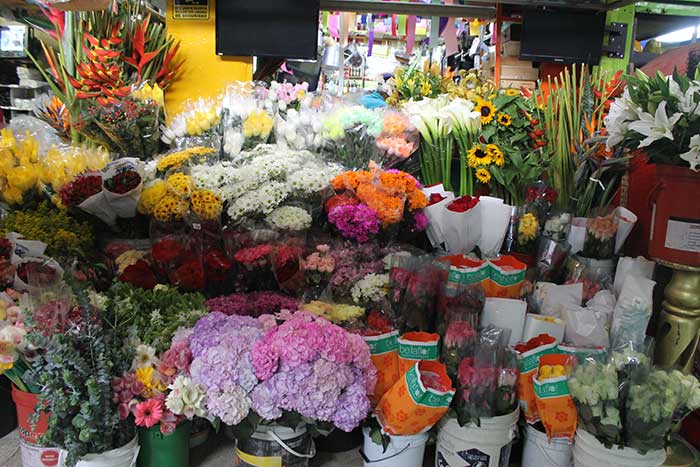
(159, 450)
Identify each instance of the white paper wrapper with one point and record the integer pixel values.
(23, 248)
(434, 213)
(495, 218)
(536, 325)
(577, 234)
(551, 299)
(22, 286)
(632, 312)
(98, 206)
(505, 313)
(586, 327)
(123, 205)
(462, 230)
(626, 221)
(626, 266)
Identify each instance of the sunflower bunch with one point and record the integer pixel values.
(504, 158)
(417, 83)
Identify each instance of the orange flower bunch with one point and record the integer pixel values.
(386, 192)
(394, 123)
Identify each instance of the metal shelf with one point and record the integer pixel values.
(15, 109)
(418, 9)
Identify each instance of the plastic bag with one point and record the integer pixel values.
(461, 224)
(495, 218)
(383, 349)
(415, 347)
(639, 266)
(551, 299)
(529, 355)
(554, 403)
(438, 199)
(506, 277)
(632, 312)
(586, 327)
(122, 185)
(417, 401)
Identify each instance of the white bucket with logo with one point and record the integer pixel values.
(124, 456)
(589, 452)
(402, 451)
(487, 445)
(32, 455)
(539, 452)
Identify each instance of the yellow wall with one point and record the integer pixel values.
(204, 73)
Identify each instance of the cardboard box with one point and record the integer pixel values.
(520, 73)
(515, 84)
(510, 49)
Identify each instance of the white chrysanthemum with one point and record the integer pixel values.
(371, 288)
(290, 218)
(145, 357)
(186, 398)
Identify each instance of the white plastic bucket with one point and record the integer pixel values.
(32, 455)
(403, 451)
(487, 445)
(539, 452)
(589, 452)
(124, 456)
(505, 313)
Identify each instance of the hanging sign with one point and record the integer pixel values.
(191, 9)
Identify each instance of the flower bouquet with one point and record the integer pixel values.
(16, 354)
(349, 134)
(461, 224)
(252, 304)
(177, 258)
(600, 237)
(397, 142)
(438, 199)
(318, 269)
(122, 184)
(417, 308)
(86, 193)
(255, 267)
(197, 126)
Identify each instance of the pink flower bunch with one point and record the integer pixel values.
(312, 367)
(254, 257)
(459, 333)
(153, 411)
(175, 360)
(356, 222)
(125, 390)
(288, 92)
(320, 260)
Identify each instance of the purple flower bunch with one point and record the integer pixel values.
(353, 262)
(355, 221)
(315, 368)
(252, 304)
(221, 347)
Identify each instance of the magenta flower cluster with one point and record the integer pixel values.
(315, 368)
(355, 221)
(252, 304)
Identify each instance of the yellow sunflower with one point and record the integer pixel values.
(504, 119)
(496, 154)
(512, 92)
(487, 111)
(478, 156)
(483, 175)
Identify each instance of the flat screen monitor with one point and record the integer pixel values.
(273, 28)
(13, 40)
(565, 36)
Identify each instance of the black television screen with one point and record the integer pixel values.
(277, 28)
(566, 36)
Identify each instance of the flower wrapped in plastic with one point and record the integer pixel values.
(600, 237)
(398, 140)
(318, 269)
(349, 134)
(197, 125)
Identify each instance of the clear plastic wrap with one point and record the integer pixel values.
(632, 312)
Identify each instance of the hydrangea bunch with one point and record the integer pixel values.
(221, 347)
(312, 367)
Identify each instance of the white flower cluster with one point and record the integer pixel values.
(186, 398)
(596, 386)
(261, 180)
(300, 129)
(292, 218)
(371, 288)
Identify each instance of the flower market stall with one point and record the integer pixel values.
(275, 268)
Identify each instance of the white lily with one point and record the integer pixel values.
(463, 116)
(655, 127)
(693, 156)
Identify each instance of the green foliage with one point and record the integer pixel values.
(64, 235)
(151, 316)
(75, 376)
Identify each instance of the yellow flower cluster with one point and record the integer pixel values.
(20, 169)
(60, 167)
(151, 195)
(149, 93)
(336, 313)
(481, 157)
(170, 207)
(258, 124)
(552, 371)
(177, 159)
(527, 228)
(206, 204)
(180, 184)
(201, 121)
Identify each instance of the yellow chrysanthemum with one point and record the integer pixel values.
(170, 207)
(178, 159)
(483, 175)
(478, 156)
(180, 184)
(487, 111)
(527, 228)
(206, 204)
(512, 92)
(151, 195)
(505, 119)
